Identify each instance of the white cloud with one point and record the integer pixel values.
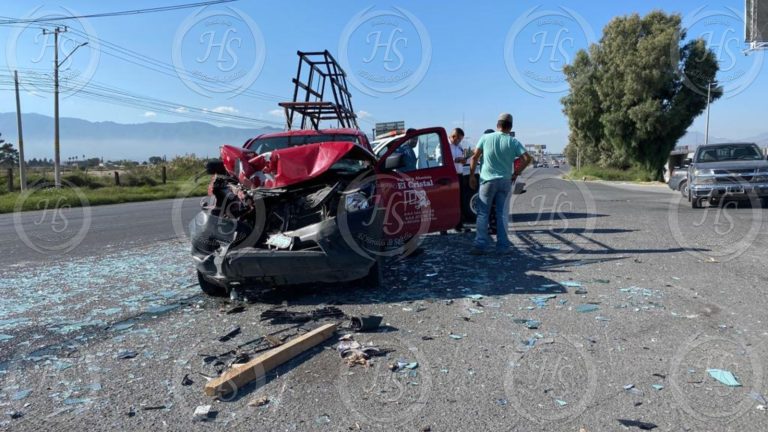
(150, 114)
(364, 114)
(279, 113)
(225, 110)
(181, 110)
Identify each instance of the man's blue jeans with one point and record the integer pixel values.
(496, 191)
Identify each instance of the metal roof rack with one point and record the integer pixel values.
(319, 75)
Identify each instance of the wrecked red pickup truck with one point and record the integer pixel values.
(318, 206)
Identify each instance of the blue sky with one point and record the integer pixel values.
(446, 64)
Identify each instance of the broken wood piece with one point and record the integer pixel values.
(241, 374)
(273, 340)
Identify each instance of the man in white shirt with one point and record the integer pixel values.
(459, 157)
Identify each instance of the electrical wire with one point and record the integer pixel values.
(118, 13)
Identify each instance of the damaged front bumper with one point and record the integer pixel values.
(314, 253)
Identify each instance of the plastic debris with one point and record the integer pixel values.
(323, 419)
(276, 316)
(637, 424)
(571, 284)
(235, 310)
(231, 333)
(501, 402)
(260, 401)
(475, 296)
(187, 381)
(602, 318)
(202, 413)
(561, 403)
(657, 386)
(354, 353)
(365, 323)
(126, 354)
(455, 336)
(585, 308)
(724, 376)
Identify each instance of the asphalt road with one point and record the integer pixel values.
(639, 302)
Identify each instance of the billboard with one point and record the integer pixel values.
(382, 128)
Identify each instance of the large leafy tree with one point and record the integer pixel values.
(9, 156)
(635, 93)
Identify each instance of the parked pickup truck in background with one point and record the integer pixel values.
(727, 171)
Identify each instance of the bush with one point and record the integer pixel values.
(81, 180)
(592, 172)
(134, 179)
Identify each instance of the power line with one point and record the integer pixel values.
(135, 58)
(104, 93)
(119, 13)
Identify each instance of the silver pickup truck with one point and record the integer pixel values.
(727, 171)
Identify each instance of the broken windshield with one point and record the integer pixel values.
(264, 145)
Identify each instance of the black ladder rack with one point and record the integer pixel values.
(308, 107)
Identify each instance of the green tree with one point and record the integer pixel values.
(635, 93)
(9, 156)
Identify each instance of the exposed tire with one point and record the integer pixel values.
(683, 188)
(211, 288)
(374, 277)
(696, 203)
(469, 208)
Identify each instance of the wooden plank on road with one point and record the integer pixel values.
(241, 374)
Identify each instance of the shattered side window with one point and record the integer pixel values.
(430, 152)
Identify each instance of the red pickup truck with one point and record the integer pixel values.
(308, 206)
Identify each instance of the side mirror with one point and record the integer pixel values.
(687, 162)
(394, 161)
(215, 167)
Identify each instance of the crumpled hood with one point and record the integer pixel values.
(292, 165)
(297, 164)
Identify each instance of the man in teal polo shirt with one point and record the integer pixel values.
(498, 151)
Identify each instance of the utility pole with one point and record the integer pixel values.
(709, 99)
(56, 66)
(56, 147)
(22, 165)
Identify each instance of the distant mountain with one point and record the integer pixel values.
(113, 141)
(693, 139)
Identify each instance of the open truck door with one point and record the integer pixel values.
(418, 186)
